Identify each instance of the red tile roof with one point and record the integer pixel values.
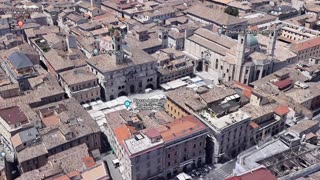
(247, 93)
(152, 133)
(242, 86)
(73, 174)
(283, 83)
(88, 162)
(258, 174)
(13, 115)
(300, 46)
(254, 125)
(281, 110)
(122, 133)
(246, 90)
(182, 127)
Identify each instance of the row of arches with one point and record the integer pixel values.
(132, 90)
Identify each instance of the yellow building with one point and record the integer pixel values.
(182, 102)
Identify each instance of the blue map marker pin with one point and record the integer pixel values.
(127, 103)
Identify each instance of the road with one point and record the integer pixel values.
(221, 172)
(114, 172)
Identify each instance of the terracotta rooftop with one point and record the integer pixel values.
(88, 162)
(281, 110)
(254, 125)
(179, 128)
(306, 44)
(261, 173)
(50, 121)
(242, 86)
(247, 93)
(283, 83)
(13, 115)
(122, 133)
(152, 133)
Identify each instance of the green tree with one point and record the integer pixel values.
(232, 11)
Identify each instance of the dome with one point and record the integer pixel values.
(252, 40)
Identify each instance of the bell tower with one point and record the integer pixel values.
(240, 54)
(273, 35)
(117, 47)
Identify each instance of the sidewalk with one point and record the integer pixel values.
(114, 172)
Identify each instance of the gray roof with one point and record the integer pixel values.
(19, 60)
(29, 135)
(72, 42)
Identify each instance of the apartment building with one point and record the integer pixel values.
(75, 162)
(294, 86)
(307, 48)
(13, 120)
(185, 143)
(159, 14)
(238, 116)
(150, 145)
(63, 125)
(19, 68)
(229, 133)
(81, 84)
(186, 101)
(172, 65)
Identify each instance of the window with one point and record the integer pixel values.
(168, 155)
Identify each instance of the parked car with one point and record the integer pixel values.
(206, 169)
(197, 173)
(208, 166)
(192, 175)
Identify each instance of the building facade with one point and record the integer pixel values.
(124, 71)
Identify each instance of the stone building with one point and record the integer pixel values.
(307, 48)
(151, 145)
(242, 60)
(81, 84)
(125, 70)
(172, 65)
(63, 125)
(238, 117)
(185, 142)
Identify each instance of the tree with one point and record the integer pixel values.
(232, 11)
